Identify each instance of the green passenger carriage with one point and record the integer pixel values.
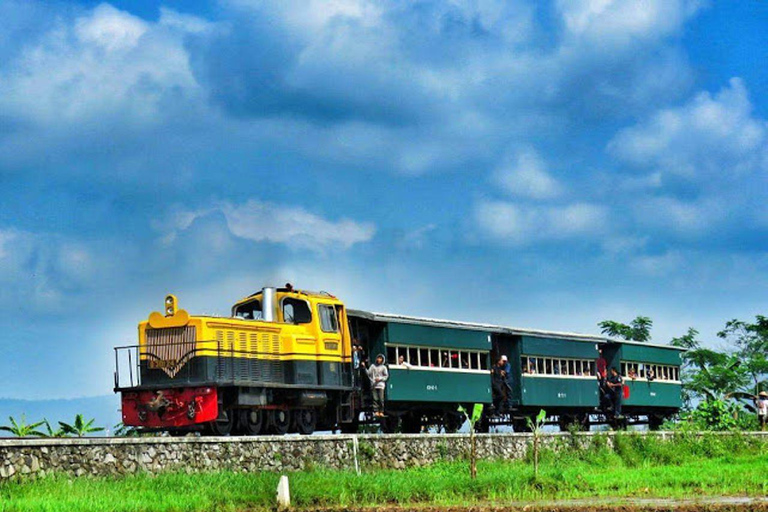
(447, 364)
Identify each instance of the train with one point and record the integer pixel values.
(288, 360)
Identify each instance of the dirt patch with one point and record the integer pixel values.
(726, 504)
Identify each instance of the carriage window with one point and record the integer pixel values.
(436, 358)
(328, 321)
(296, 311)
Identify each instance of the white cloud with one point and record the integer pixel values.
(715, 135)
(267, 222)
(106, 62)
(621, 21)
(526, 175)
(529, 224)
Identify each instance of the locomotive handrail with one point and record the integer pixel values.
(220, 349)
(219, 344)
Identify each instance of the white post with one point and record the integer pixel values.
(354, 451)
(283, 493)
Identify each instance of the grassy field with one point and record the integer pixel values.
(635, 467)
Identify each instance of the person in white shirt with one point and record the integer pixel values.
(402, 362)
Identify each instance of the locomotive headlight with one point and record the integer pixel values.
(170, 305)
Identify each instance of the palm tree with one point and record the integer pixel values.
(21, 428)
(80, 427)
(638, 329)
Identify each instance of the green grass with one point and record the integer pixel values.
(634, 467)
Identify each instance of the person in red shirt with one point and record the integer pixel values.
(601, 365)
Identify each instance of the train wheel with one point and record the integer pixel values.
(223, 425)
(251, 422)
(279, 421)
(306, 421)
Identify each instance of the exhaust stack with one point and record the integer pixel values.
(268, 299)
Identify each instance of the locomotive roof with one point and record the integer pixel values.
(492, 328)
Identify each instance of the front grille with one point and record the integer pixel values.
(170, 348)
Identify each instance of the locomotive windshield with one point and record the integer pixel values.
(249, 311)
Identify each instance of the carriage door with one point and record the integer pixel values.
(504, 344)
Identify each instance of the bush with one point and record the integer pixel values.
(716, 415)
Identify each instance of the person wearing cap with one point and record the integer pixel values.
(761, 402)
(507, 368)
(498, 379)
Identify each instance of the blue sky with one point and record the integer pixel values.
(538, 164)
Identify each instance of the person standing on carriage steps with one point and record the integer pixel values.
(615, 384)
(378, 374)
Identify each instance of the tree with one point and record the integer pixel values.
(477, 413)
(638, 329)
(708, 374)
(80, 427)
(535, 425)
(751, 342)
(21, 428)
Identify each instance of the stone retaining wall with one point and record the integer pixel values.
(117, 456)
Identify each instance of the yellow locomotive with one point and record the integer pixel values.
(277, 364)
